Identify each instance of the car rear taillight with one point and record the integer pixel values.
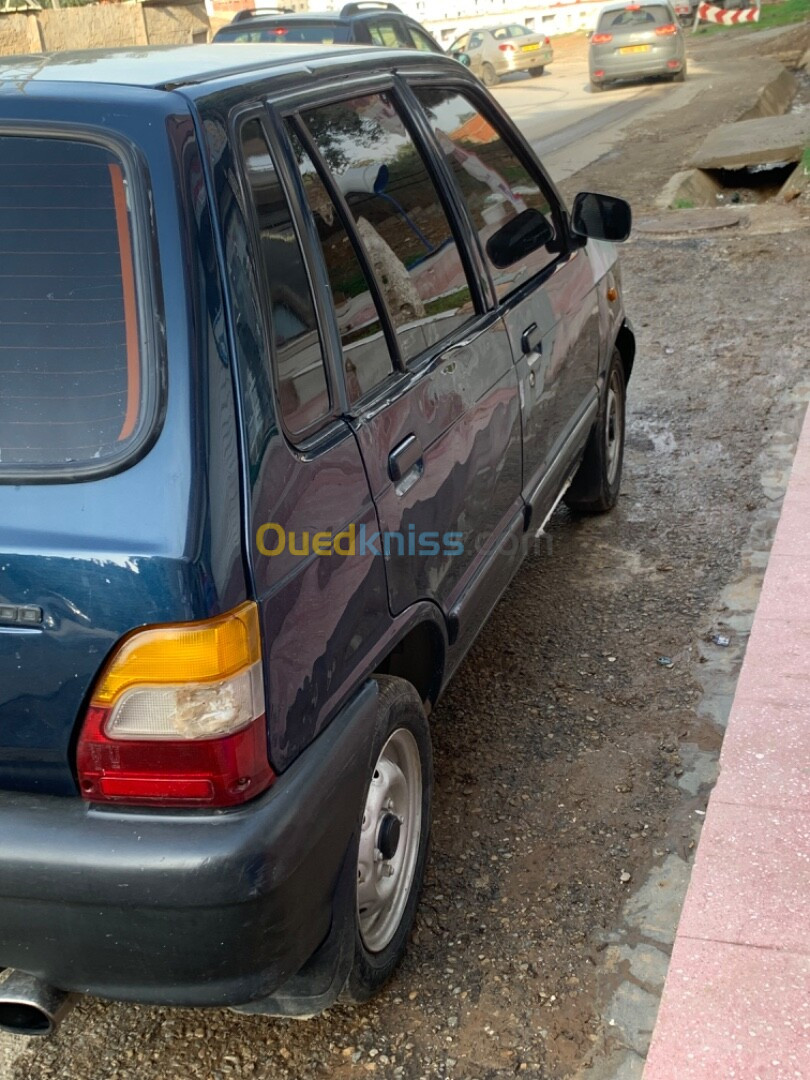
(507, 48)
(177, 717)
(666, 29)
(547, 41)
(279, 31)
(601, 39)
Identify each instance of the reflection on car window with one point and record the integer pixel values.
(312, 34)
(399, 218)
(460, 43)
(366, 359)
(634, 17)
(476, 41)
(385, 33)
(421, 41)
(304, 398)
(494, 182)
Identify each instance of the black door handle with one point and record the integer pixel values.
(404, 458)
(530, 340)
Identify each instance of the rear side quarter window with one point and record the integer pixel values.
(78, 395)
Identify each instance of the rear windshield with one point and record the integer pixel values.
(306, 33)
(71, 369)
(634, 17)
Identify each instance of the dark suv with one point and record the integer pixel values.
(299, 348)
(368, 22)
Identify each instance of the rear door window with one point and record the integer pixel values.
(76, 393)
(398, 216)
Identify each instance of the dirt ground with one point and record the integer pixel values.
(560, 744)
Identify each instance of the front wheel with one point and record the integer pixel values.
(489, 76)
(394, 832)
(595, 487)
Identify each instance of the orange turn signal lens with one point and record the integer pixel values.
(196, 652)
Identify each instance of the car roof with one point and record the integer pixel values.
(168, 67)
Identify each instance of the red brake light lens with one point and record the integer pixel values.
(507, 48)
(601, 39)
(666, 30)
(177, 717)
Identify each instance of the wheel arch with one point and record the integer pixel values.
(626, 344)
(419, 657)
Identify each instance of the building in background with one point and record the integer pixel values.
(448, 19)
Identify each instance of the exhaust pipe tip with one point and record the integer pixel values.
(29, 1006)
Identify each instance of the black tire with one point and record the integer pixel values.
(595, 487)
(681, 76)
(401, 722)
(536, 72)
(489, 76)
(597, 87)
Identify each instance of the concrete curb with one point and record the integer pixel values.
(736, 1002)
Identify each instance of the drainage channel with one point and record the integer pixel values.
(749, 162)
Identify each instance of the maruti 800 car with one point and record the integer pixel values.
(298, 343)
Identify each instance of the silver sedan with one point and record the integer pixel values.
(494, 51)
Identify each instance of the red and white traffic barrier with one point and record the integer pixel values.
(711, 13)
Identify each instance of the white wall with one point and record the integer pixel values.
(447, 19)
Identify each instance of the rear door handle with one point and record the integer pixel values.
(531, 341)
(404, 458)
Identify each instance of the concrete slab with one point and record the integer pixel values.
(765, 759)
(763, 141)
(732, 1012)
(749, 882)
(689, 221)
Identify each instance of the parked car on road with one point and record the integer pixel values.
(298, 353)
(365, 22)
(494, 51)
(635, 40)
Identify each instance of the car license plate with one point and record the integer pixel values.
(529, 48)
(634, 48)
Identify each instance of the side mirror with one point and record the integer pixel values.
(519, 237)
(601, 217)
(462, 57)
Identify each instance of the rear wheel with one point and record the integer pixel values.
(595, 487)
(536, 72)
(681, 76)
(596, 87)
(489, 76)
(394, 831)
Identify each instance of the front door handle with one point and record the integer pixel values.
(531, 341)
(405, 458)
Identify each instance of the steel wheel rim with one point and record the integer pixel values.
(384, 883)
(613, 427)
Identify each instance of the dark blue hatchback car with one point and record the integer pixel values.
(298, 344)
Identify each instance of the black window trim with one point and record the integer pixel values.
(313, 433)
(524, 153)
(151, 339)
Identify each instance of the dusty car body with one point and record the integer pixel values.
(494, 51)
(634, 41)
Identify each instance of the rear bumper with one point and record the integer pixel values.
(525, 61)
(636, 65)
(186, 908)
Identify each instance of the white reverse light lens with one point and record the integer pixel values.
(189, 711)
